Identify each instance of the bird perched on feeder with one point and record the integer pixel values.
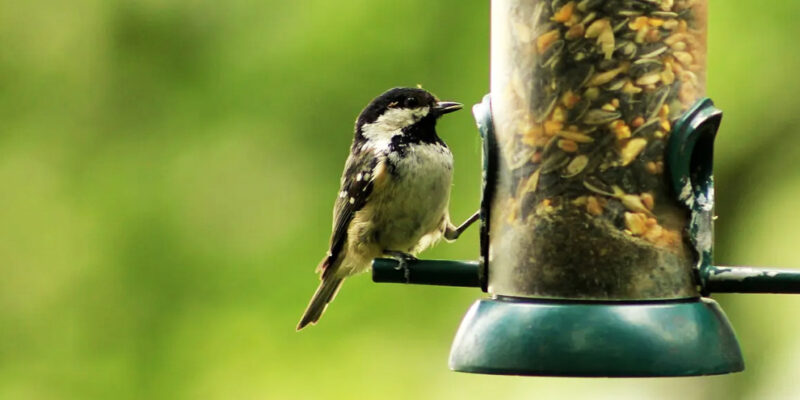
(394, 193)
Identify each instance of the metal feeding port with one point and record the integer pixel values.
(597, 209)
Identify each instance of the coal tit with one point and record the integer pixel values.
(394, 193)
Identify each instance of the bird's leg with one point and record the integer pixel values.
(402, 261)
(452, 233)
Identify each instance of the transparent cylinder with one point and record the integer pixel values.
(584, 96)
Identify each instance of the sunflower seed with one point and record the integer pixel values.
(575, 166)
(548, 108)
(654, 50)
(656, 101)
(600, 116)
(644, 66)
(555, 161)
(647, 128)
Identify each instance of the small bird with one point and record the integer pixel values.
(395, 190)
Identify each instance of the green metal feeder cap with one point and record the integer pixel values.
(589, 339)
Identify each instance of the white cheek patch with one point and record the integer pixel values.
(380, 133)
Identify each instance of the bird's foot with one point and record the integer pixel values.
(452, 232)
(402, 262)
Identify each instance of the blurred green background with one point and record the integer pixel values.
(168, 170)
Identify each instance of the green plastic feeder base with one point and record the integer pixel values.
(512, 336)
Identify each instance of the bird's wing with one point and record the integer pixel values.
(357, 181)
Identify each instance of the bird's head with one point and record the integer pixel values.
(409, 112)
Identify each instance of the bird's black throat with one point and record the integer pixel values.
(423, 131)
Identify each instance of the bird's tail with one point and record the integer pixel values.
(325, 293)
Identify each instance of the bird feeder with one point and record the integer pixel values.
(597, 210)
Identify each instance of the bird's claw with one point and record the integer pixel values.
(402, 262)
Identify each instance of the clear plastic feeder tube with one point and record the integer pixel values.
(584, 96)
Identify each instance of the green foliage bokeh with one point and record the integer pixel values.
(168, 171)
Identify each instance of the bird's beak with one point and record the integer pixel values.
(444, 107)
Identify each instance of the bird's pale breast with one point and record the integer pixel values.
(409, 205)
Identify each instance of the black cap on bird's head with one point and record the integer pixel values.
(401, 108)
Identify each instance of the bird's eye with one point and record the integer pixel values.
(410, 102)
